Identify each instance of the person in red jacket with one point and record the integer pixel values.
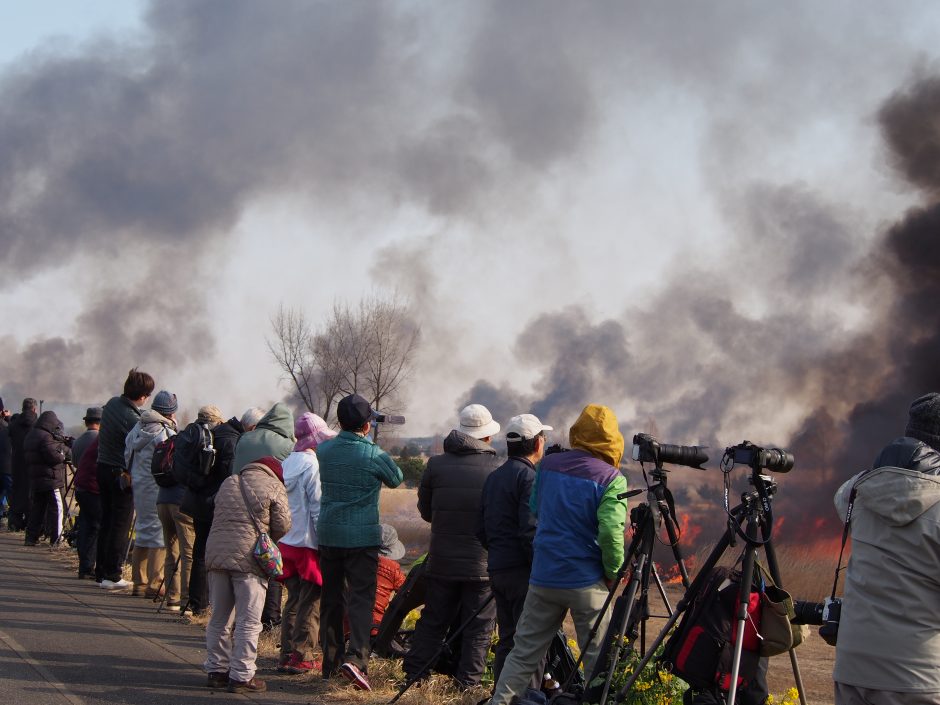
(389, 576)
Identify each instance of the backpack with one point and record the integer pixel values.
(193, 468)
(161, 465)
(701, 650)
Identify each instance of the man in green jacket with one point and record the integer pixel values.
(352, 472)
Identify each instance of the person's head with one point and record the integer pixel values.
(165, 404)
(354, 414)
(210, 414)
(924, 420)
(477, 422)
(596, 432)
(138, 386)
(92, 417)
(30, 405)
(525, 437)
(251, 418)
(310, 431)
(391, 547)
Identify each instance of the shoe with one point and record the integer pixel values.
(284, 662)
(121, 584)
(354, 675)
(172, 606)
(253, 686)
(27, 542)
(154, 595)
(296, 664)
(217, 680)
(137, 592)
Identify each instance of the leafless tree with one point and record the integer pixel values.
(291, 348)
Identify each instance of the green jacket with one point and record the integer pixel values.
(274, 436)
(352, 472)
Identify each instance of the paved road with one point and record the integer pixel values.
(68, 642)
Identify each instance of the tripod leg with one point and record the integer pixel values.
(628, 612)
(774, 569)
(744, 599)
(661, 590)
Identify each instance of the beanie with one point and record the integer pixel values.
(924, 420)
(164, 403)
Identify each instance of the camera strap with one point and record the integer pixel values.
(845, 529)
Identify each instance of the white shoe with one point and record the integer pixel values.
(115, 585)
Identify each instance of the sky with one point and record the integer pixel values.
(684, 212)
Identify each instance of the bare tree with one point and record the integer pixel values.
(291, 349)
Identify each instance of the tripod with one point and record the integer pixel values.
(756, 515)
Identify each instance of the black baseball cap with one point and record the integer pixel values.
(353, 411)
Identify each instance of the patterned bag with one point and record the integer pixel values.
(267, 554)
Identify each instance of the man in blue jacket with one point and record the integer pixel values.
(352, 472)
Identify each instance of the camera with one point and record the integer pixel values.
(825, 614)
(387, 418)
(773, 459)
(647, 449)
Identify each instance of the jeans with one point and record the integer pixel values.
(117, 516)
(89, 523)
(349, 578)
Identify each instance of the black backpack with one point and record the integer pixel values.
(192, 469)
(701, 650)
(161, 465)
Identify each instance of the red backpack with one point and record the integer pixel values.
(161, 466)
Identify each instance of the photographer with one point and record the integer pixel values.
(888, 649)
(46, 449)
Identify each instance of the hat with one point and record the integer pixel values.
(310, 431)
(164, 402)
(524, 427)
(210, 414)
(924, 421)
(92, 413)
(477, 422)
(353, 411)
(391, 546)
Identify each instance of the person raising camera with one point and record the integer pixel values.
(888, 649)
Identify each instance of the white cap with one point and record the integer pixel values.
(524, 427)
(477, 422)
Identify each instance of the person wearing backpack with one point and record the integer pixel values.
(156, 425)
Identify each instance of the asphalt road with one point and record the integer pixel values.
(68, 642)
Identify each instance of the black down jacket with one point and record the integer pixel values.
(449, 498)
(507, 526)
(198, 502)
(46, 453)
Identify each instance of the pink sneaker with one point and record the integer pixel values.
(354, 675)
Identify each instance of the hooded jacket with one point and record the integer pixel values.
(449, 498)
(302, 483)
(233, 534)
(118, 417)
(507, 525)
(46, 453)
(579, 539)
(274, 436)
(889, 631)
(153, 428)
(20, 425)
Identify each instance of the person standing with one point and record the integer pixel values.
(458, 585)
(118, 417)
(6, 461)
(156, 425)
(578, 546)
(20, 425)
(92, 421)
(352, 472)
(89, 515)
(46, 451)
(507, 530)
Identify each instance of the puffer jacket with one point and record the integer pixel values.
(46, 453)
(141, 441)
(507, 525)
(302, 482)
(889, 631)
(274, 436)
(201, 489)
(579, 539)
(352, 472)
(233, 535)
(449, 498)
(118, 417)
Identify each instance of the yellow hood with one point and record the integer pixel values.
(596, 432)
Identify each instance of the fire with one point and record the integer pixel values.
(688, 532)
(671, 576)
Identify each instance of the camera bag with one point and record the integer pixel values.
(161, 464)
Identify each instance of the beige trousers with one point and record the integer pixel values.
(147, 567)
(178, 537)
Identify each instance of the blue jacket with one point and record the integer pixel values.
(352, 471)
(507, 525)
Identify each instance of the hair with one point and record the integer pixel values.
(252, 417)
(352, 428)
(30, 404)
(523, 448)
(138, 384)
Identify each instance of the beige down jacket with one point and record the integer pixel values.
(233, 534)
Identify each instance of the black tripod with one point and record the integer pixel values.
(756, 516)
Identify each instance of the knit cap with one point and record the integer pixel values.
(164, 403)
(311, 431)
(924, 420)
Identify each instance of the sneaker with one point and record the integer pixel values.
(284, 662)
(354, 675)
(255, 685)
(121, 584)
(296, 665)
(172, 606)
(218, 679)
(27, 542)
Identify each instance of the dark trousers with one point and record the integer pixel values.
(117, 515)
(46, 514)
(509, 589)
(300, 625)
(19, 499)
(349, 577)
(89, 523)
(449, 601)
(6, 492)
(271, 613)
(198, 590)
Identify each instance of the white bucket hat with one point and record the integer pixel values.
(477, 422)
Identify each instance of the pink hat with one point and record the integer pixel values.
(310, 431)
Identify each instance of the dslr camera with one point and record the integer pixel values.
(824, 614)
(772, 459)
(647, 449)
(378, 417)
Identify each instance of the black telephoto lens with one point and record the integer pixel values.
(807, 612)
(690, 456)
(777, 460)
